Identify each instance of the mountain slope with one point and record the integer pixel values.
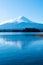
(21, 23)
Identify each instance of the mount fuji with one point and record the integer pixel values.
(21, 23)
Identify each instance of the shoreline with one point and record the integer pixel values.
(23, 33)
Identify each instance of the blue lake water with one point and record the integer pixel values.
(21, 49)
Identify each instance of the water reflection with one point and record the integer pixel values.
(4, 42)
(20, 41)
(21, 50)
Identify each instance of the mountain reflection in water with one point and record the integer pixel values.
(21, 50)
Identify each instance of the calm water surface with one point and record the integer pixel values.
(21, 49)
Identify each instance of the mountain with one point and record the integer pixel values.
(21, 23)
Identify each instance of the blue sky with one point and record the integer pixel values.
(32, 9)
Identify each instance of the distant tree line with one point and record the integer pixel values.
(23, 30)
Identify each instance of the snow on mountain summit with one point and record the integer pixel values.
(18, 20)
(20, 23)
(22, 19)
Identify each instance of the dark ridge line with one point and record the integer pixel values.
(23, 30)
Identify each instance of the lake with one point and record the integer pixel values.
(21, 49)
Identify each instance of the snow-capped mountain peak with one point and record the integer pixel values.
(22, 19)
(18, 20)
(20, 23)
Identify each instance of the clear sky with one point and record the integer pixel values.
(32, 9)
